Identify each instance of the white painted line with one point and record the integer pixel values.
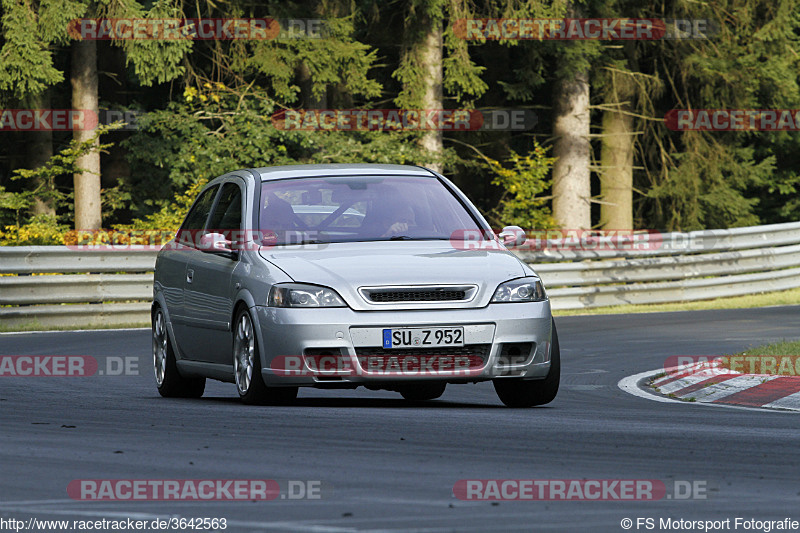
(581, 388)
(629, 385)
(36, 502)
(99, 512)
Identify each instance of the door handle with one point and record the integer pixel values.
(189, 275)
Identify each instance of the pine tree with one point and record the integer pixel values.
(31, 30)
(750, 60)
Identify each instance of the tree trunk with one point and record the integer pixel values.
(616, 170)
(304, 81)
(571, 171)
(430, 54)
(39, 151)
(88, 213)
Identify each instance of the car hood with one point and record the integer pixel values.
(346, 267)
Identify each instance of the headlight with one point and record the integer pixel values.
(520, 290)
(300, 295)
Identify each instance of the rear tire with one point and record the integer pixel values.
(247, 367)
(169, 381)
(421, 392)
(527, 393)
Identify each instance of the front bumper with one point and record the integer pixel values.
(289, 337)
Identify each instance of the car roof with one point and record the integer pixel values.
(342, 169)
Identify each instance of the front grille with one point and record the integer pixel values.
(477, 353)
(416, 296)
(419, 293)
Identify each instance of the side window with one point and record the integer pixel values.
(228, 214)
(199, 213)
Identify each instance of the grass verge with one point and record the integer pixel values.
(778, 358)
(787, 297)
(34, 326)
(777, 348)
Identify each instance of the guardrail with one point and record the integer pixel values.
(671, 267)
(111, 287)
(97, 287)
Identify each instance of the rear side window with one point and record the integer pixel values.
(200, 210)
(228, 213)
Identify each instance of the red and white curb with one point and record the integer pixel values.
(706, 384)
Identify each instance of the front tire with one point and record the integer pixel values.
(527, 393)
(247, 367)
(169, 381)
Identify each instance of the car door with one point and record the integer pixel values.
(208, 290)
(173, 269)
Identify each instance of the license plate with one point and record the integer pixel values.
(423, 337)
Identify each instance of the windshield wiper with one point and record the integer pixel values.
(407, 238)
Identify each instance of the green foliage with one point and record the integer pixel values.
(333, 60)
(26, 61)
(170, 216)
(14, 202)
(153, 60)
(61, 164)
(717, 179)
(218, 114)
(461, 76)
(65, 162)
(705, 188)
(219, 129)
(41, 230)
(523, 180)
(54, 17)
(534, 60)
(30, 30)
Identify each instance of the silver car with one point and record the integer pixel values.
(340, 276)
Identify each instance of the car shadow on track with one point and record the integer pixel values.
(333, 402)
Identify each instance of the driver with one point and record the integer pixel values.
(398, 219)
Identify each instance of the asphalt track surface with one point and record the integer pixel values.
(386, 465)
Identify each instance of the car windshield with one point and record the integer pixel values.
(351, 209)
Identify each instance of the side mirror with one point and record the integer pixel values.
(217, 243)
(513, 236)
